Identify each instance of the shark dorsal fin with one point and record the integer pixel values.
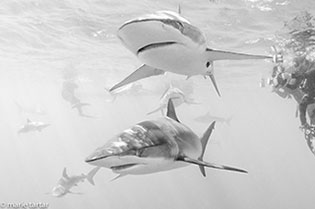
(171, 111)
(64, 173)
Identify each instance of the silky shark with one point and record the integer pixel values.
(32, 126)
(66, 182)
(167, 42)
(155, 146)
(178, 97)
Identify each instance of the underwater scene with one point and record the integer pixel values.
(157, 104)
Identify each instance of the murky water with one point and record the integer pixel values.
(56, 53)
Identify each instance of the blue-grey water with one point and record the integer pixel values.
(56, 52)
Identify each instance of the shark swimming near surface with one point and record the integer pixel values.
(66, 182)
(155, 146)
(167, 42)
(33, 126)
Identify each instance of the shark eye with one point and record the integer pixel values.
(208, 64)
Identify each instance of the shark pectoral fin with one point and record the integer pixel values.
(143, 72)
(215, 84)
(91, 175)
(117, 177)
(225, 55)
(204, 141)
(171, 111)
(210, 165)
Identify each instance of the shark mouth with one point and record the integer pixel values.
(123, 167)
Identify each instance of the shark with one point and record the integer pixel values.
(178, 97)
(167, 42)
(66, 182)
(155, 146)
(131, 89)
(33, 126)
(209, 117)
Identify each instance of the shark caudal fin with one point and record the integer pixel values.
(225, 55)
(91, 175)
(171, 111)
(204, 141)
(143, 72)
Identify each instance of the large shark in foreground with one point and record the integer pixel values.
(165, 41)
(66, 182)
(155, 146)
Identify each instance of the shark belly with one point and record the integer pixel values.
(175, 58)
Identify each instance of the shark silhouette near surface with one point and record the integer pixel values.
(155, 146)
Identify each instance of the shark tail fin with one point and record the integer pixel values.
(91, 175)
(204, 142)
(225, 55)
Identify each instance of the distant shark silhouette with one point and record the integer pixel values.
(68, 94)
(131, 89)
(178, 97)
(208, 118)
(167, 42)
(155, 146)
(32, 126)
(66, 182)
